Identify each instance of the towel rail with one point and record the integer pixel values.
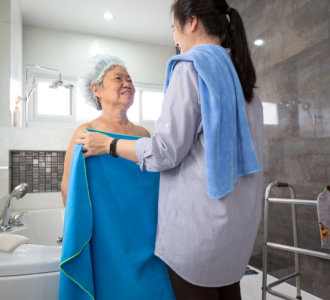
(295, 249)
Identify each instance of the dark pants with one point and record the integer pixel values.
(184, 290)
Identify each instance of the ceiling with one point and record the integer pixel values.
(137, 20)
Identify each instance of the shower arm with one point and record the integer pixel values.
(29, 93)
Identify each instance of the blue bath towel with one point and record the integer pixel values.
(109, 232)
(229, 150)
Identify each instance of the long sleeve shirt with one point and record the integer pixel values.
(207, 242)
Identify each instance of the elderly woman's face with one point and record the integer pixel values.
(118, 88)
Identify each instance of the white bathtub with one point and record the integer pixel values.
(42, 227)
(31, 271)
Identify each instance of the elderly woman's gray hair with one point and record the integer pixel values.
(94, 72)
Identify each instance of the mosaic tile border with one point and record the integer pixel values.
(41, 170)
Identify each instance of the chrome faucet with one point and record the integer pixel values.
(16, 219)
(18, 192)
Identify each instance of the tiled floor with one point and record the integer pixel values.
(251, 288)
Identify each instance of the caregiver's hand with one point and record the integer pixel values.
(95, 143)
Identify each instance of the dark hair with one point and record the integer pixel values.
(213, 14)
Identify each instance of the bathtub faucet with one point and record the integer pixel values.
(18, 192)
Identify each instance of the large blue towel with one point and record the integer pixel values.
(229, 150)
(109, 232)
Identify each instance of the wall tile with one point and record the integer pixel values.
(314, 113)
(41, 170)
(264, 14)
(5, 11)
(307, 27)
(258, 55)
(329, 15)
(293, 84)
(240, 5)
(294, 74)
(300, 3)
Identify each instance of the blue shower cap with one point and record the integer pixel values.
(94, 72)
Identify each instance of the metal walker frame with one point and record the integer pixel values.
(293, 201)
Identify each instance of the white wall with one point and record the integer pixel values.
(11, 78)
(69, 51)
(5, 62)
(16, 52)
(66, 52)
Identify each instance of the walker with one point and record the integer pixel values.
(293, 201)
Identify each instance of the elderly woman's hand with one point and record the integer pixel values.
(95, 143)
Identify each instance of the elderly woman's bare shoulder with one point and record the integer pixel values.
(141, 131)
(82, 127)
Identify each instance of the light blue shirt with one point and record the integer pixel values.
(207, 242)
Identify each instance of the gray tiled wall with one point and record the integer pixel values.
(41, 170)
(293, 70)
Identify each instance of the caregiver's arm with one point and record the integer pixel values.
(178, 126)
(96, 143)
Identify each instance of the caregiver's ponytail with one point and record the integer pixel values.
(236, 41)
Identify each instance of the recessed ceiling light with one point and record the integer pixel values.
(259, 42)
(108, 15)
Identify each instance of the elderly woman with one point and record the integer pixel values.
(108, 87)
(111, 206)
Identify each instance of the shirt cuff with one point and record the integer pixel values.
(140, 146)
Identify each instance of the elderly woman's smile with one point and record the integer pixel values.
(127, 92)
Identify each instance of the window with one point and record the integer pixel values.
(84, 111)
(64, 102)
(151, 105)
(147, 105)
(51, 101)
(133, 112)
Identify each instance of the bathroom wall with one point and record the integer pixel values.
(10, 74)
(293, 68)
(5, 17)
(66, 52)
(16, 49)
(69, 51)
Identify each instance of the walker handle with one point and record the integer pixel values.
(281, 184)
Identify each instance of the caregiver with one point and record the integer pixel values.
(208, 148)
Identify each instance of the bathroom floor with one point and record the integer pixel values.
(251, 288)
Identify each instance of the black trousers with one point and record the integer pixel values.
(184, 290)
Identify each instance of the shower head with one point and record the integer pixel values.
(20, 190)
(56, 84)
(69, 86)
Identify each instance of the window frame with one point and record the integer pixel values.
(34, 117)
(33, 114)
(140, 88)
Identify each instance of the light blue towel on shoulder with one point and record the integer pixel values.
(229, 150)
(109, 232)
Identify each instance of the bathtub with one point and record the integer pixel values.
(31, 271)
